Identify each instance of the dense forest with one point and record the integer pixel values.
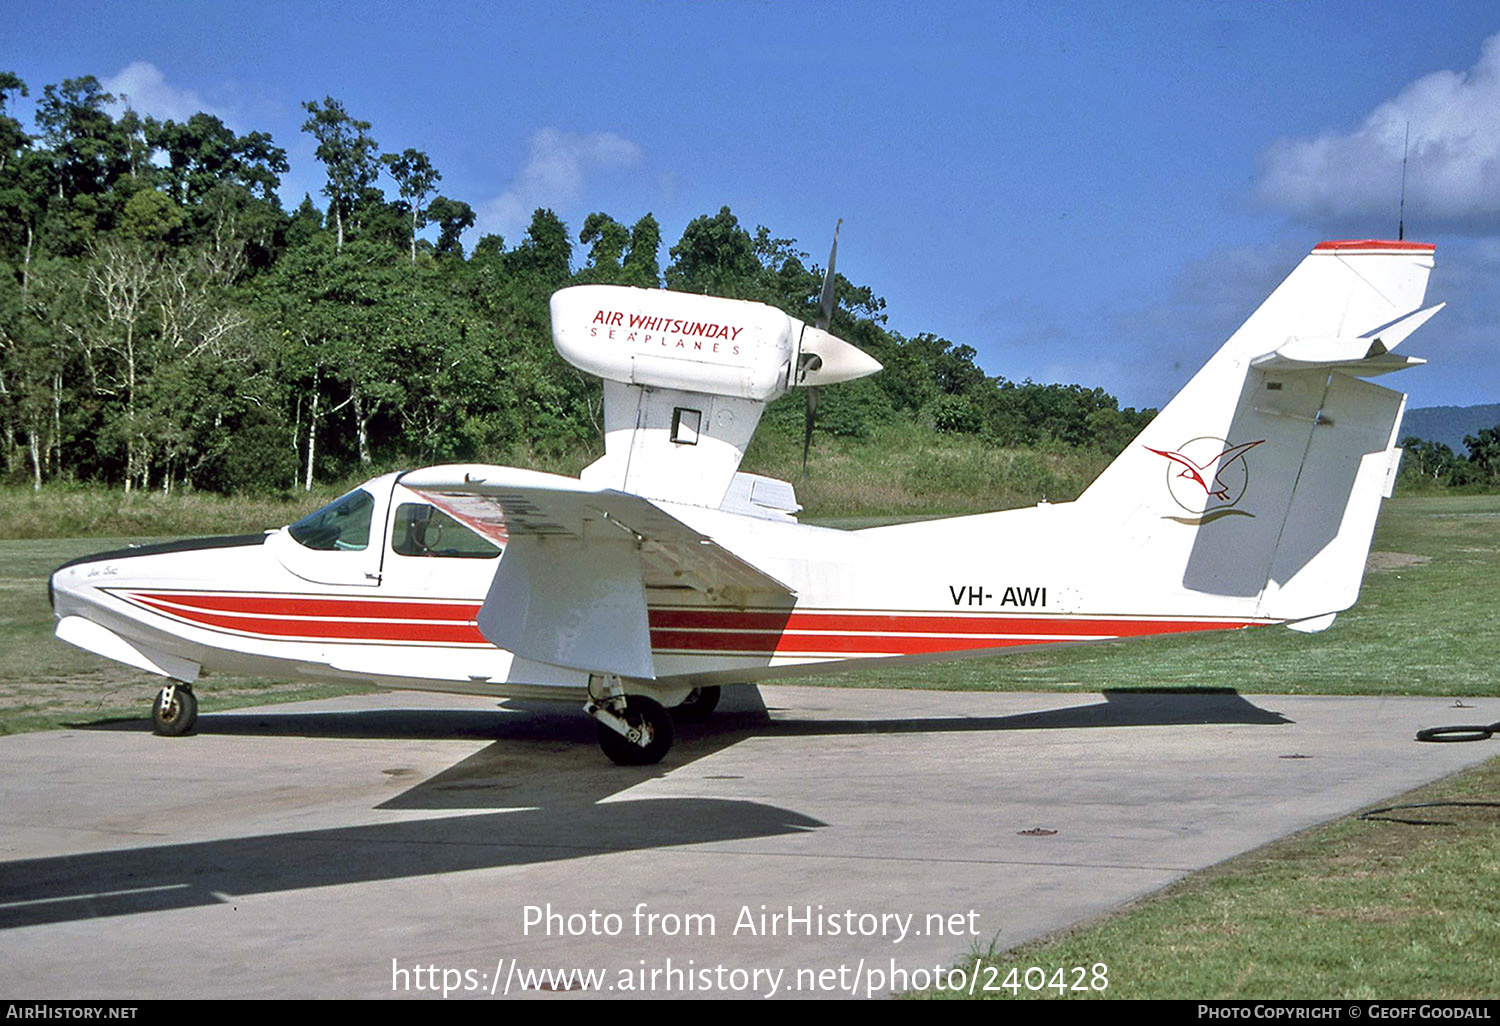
(165, 323)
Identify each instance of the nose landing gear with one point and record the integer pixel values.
(175, 710)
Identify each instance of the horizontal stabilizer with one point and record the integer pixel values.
(1393, 334)
(1364, 355)
(1360, 366)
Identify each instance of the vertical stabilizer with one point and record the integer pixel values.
(1261, 480)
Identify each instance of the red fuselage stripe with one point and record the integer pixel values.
(306, 605)
(830, 644)
(674, 629)
(921, 623)
(431, 631)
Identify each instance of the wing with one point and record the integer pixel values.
(570, 588)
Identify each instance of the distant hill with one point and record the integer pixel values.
(1449, 424)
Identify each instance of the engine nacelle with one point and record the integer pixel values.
(685, 380)
(680, 340)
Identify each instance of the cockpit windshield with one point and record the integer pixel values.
(342, 525)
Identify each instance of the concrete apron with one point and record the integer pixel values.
(821, 842)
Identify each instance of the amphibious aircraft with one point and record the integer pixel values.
(662, 572)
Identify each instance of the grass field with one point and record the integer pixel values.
(899, 470)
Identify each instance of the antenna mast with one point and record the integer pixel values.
(1401, 214)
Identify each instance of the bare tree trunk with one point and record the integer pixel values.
(130, 457)
(36, 459)
(312, 436)
(361, 429)
(54, 448)
(296, 440)
(124, 276)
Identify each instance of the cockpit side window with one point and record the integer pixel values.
(423, 530)
(342, 525)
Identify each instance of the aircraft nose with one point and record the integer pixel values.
(67, 582)
(72, 587)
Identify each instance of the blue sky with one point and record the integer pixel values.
(1084, 192)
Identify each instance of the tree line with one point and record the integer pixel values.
(166, 323)
(1435, 464)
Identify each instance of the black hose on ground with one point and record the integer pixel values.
(1460, 733)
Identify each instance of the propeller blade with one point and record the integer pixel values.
(825, 305)
(812, 412)
(825, 317)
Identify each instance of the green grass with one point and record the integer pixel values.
(1354, 909)
(906, 470)
(1427, 623)
(900, 470)
(88, 512)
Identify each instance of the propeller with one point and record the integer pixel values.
(812, 361)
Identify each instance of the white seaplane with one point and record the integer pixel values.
(662, 573)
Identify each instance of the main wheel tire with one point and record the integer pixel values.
(647, 714)
(699, 703)
(175, 718)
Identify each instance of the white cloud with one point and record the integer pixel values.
(141, 86)
(556, 171)
(1454, 173)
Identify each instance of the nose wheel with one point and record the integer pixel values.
(175, 710)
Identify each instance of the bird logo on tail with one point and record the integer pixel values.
(1208, 477)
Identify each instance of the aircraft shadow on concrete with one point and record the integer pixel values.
(542, 766)
(742, 713)
(1120, 708)
(544, 753)
(173, 876)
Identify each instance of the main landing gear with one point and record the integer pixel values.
(175, 710)
(698, 704)
(635, 730)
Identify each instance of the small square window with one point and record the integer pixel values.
(685, 425)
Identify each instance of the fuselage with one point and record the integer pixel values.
(380, 587)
